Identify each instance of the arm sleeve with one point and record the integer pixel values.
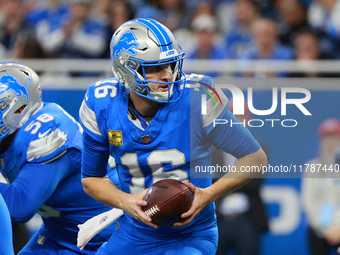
(95, 157)
(33, 186)
(232, 138)
(221, 127)
(225, 131)
(95, 148)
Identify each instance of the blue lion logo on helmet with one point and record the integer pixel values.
(127, 43)
(10, 83)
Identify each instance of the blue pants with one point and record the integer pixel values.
(128, 240)
(39, 244)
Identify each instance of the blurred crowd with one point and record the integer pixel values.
(217, 29)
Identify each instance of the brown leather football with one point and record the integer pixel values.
(167, 200)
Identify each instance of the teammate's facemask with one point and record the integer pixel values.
(143, 45)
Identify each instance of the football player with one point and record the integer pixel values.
(40, 155)
(6, 242)
(148, 118)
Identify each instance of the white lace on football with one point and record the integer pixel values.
(152, 211)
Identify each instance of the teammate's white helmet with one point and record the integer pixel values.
(142, 43)
(20, 96)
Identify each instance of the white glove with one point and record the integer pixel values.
(96, 224)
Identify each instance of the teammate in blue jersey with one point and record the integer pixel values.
(40, 155)
(6, 242)
(148, 118)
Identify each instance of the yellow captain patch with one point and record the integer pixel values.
(115, 137)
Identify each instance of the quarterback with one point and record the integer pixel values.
(148, 118)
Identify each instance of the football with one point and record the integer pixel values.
(167, 200)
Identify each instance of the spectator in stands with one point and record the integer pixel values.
(136, 4)
(76, 36)
(239, 38)
(323, 15)
(28, 47)
(47, 11)
(307, 47)
(226, 11)
(193, 4)
(266, 45)
(101, 11)
(205, 28)
(120, 11)
(293, 19)
(203, 8)
(226, 14)
(320, 193)
(185, 36)
(171, 13)
(3, 51)
(12, 24)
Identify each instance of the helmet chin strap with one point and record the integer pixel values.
(163, 96)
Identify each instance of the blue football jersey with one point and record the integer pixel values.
(49, 136)
(44, 137)
(177, 139)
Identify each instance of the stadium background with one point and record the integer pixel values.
(287, 146)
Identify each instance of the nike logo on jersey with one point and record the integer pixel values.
(41, 135)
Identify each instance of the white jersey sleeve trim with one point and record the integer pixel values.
(88, 118)
(47, 145)
(213, 111)
(112, 162)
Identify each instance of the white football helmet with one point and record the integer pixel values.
(142, 43)
(20, 96)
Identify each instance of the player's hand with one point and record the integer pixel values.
(198, 204)
(332, 235)
(133, 204)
